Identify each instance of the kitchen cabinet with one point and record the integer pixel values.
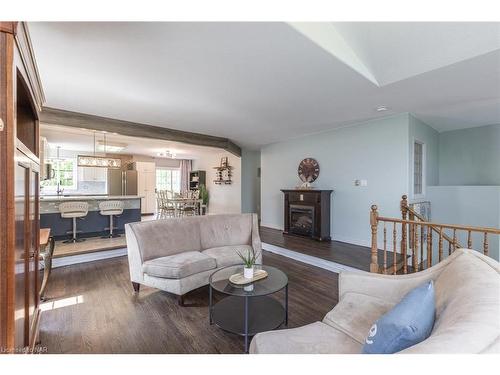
(92, 174)
(146, 185)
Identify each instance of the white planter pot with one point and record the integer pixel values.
(248, 273)
(248, 288)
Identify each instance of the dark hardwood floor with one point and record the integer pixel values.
(340, 252)
(109, 318)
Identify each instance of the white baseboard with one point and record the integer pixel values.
(308, 259)
(272, 226)
(335, 237)
(89, 257)
(353, 241)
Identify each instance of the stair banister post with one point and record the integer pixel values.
(404, 206)
(404, 214)
(374, 249)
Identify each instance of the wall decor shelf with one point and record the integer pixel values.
(223, 173)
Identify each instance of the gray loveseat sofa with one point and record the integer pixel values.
(179, 255)
(467, 286)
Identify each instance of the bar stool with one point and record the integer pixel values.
(74, 210)
(111, 208)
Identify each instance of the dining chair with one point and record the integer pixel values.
(168, 205)
(159, 204)
(189, 207)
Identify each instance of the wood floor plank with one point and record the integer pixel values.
(112, 319)
(335, 251)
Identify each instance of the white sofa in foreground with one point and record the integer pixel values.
(179, 255)
(467, 286)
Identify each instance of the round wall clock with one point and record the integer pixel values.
(308, 170)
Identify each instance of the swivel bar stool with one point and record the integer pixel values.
(74, 210)
(111, 208)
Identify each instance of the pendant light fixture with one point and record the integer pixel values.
(99, 161)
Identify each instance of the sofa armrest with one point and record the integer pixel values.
(256, 242)
(386, 287)
(134, 255)
(391, 287)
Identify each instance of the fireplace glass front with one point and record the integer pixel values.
(302, 220)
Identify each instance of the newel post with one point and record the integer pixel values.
(404, 214)
(404, 207)
(374, 250)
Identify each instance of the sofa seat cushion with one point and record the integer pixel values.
(227, 255)
(356, 313)
(179, 265)
(315, 338)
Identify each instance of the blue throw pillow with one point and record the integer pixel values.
(407, 324)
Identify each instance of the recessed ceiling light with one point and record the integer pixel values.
(382, 108)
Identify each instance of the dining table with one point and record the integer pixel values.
(178, 202)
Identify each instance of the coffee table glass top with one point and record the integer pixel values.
(275, 281)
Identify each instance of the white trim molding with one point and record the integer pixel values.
(88, 257)
(313, 261)
(424, 169)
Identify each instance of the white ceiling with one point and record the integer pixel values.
(82, 140)
(258, 83)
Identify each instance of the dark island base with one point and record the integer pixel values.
(91, 225)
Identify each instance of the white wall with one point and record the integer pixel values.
(468, 205)
(377, 151)
(160, 162)
(222, 198)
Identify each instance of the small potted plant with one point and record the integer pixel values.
(249, 259)
(203, 195)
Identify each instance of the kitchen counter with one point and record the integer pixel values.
(92, 225)
(59, 198)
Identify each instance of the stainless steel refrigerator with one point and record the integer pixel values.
(122, 182)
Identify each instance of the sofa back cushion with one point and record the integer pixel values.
(159, 238)
(225, 230)
(467, 307)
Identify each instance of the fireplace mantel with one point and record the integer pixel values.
(307, 213)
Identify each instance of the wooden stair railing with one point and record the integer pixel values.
(408, 213)
(416, 242)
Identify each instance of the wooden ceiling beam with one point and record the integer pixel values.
(81, 120)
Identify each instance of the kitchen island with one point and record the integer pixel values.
(92, 225)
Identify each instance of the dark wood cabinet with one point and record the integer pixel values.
(20, 104)
(307, 213)
(196, 179)
(27, 228)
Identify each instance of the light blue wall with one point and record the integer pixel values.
(470, 156)
(467, 205)
(376, 151)
(420, 131)
(250, 181)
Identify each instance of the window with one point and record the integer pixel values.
(418, 168)
(65, 173)
(168, 179)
